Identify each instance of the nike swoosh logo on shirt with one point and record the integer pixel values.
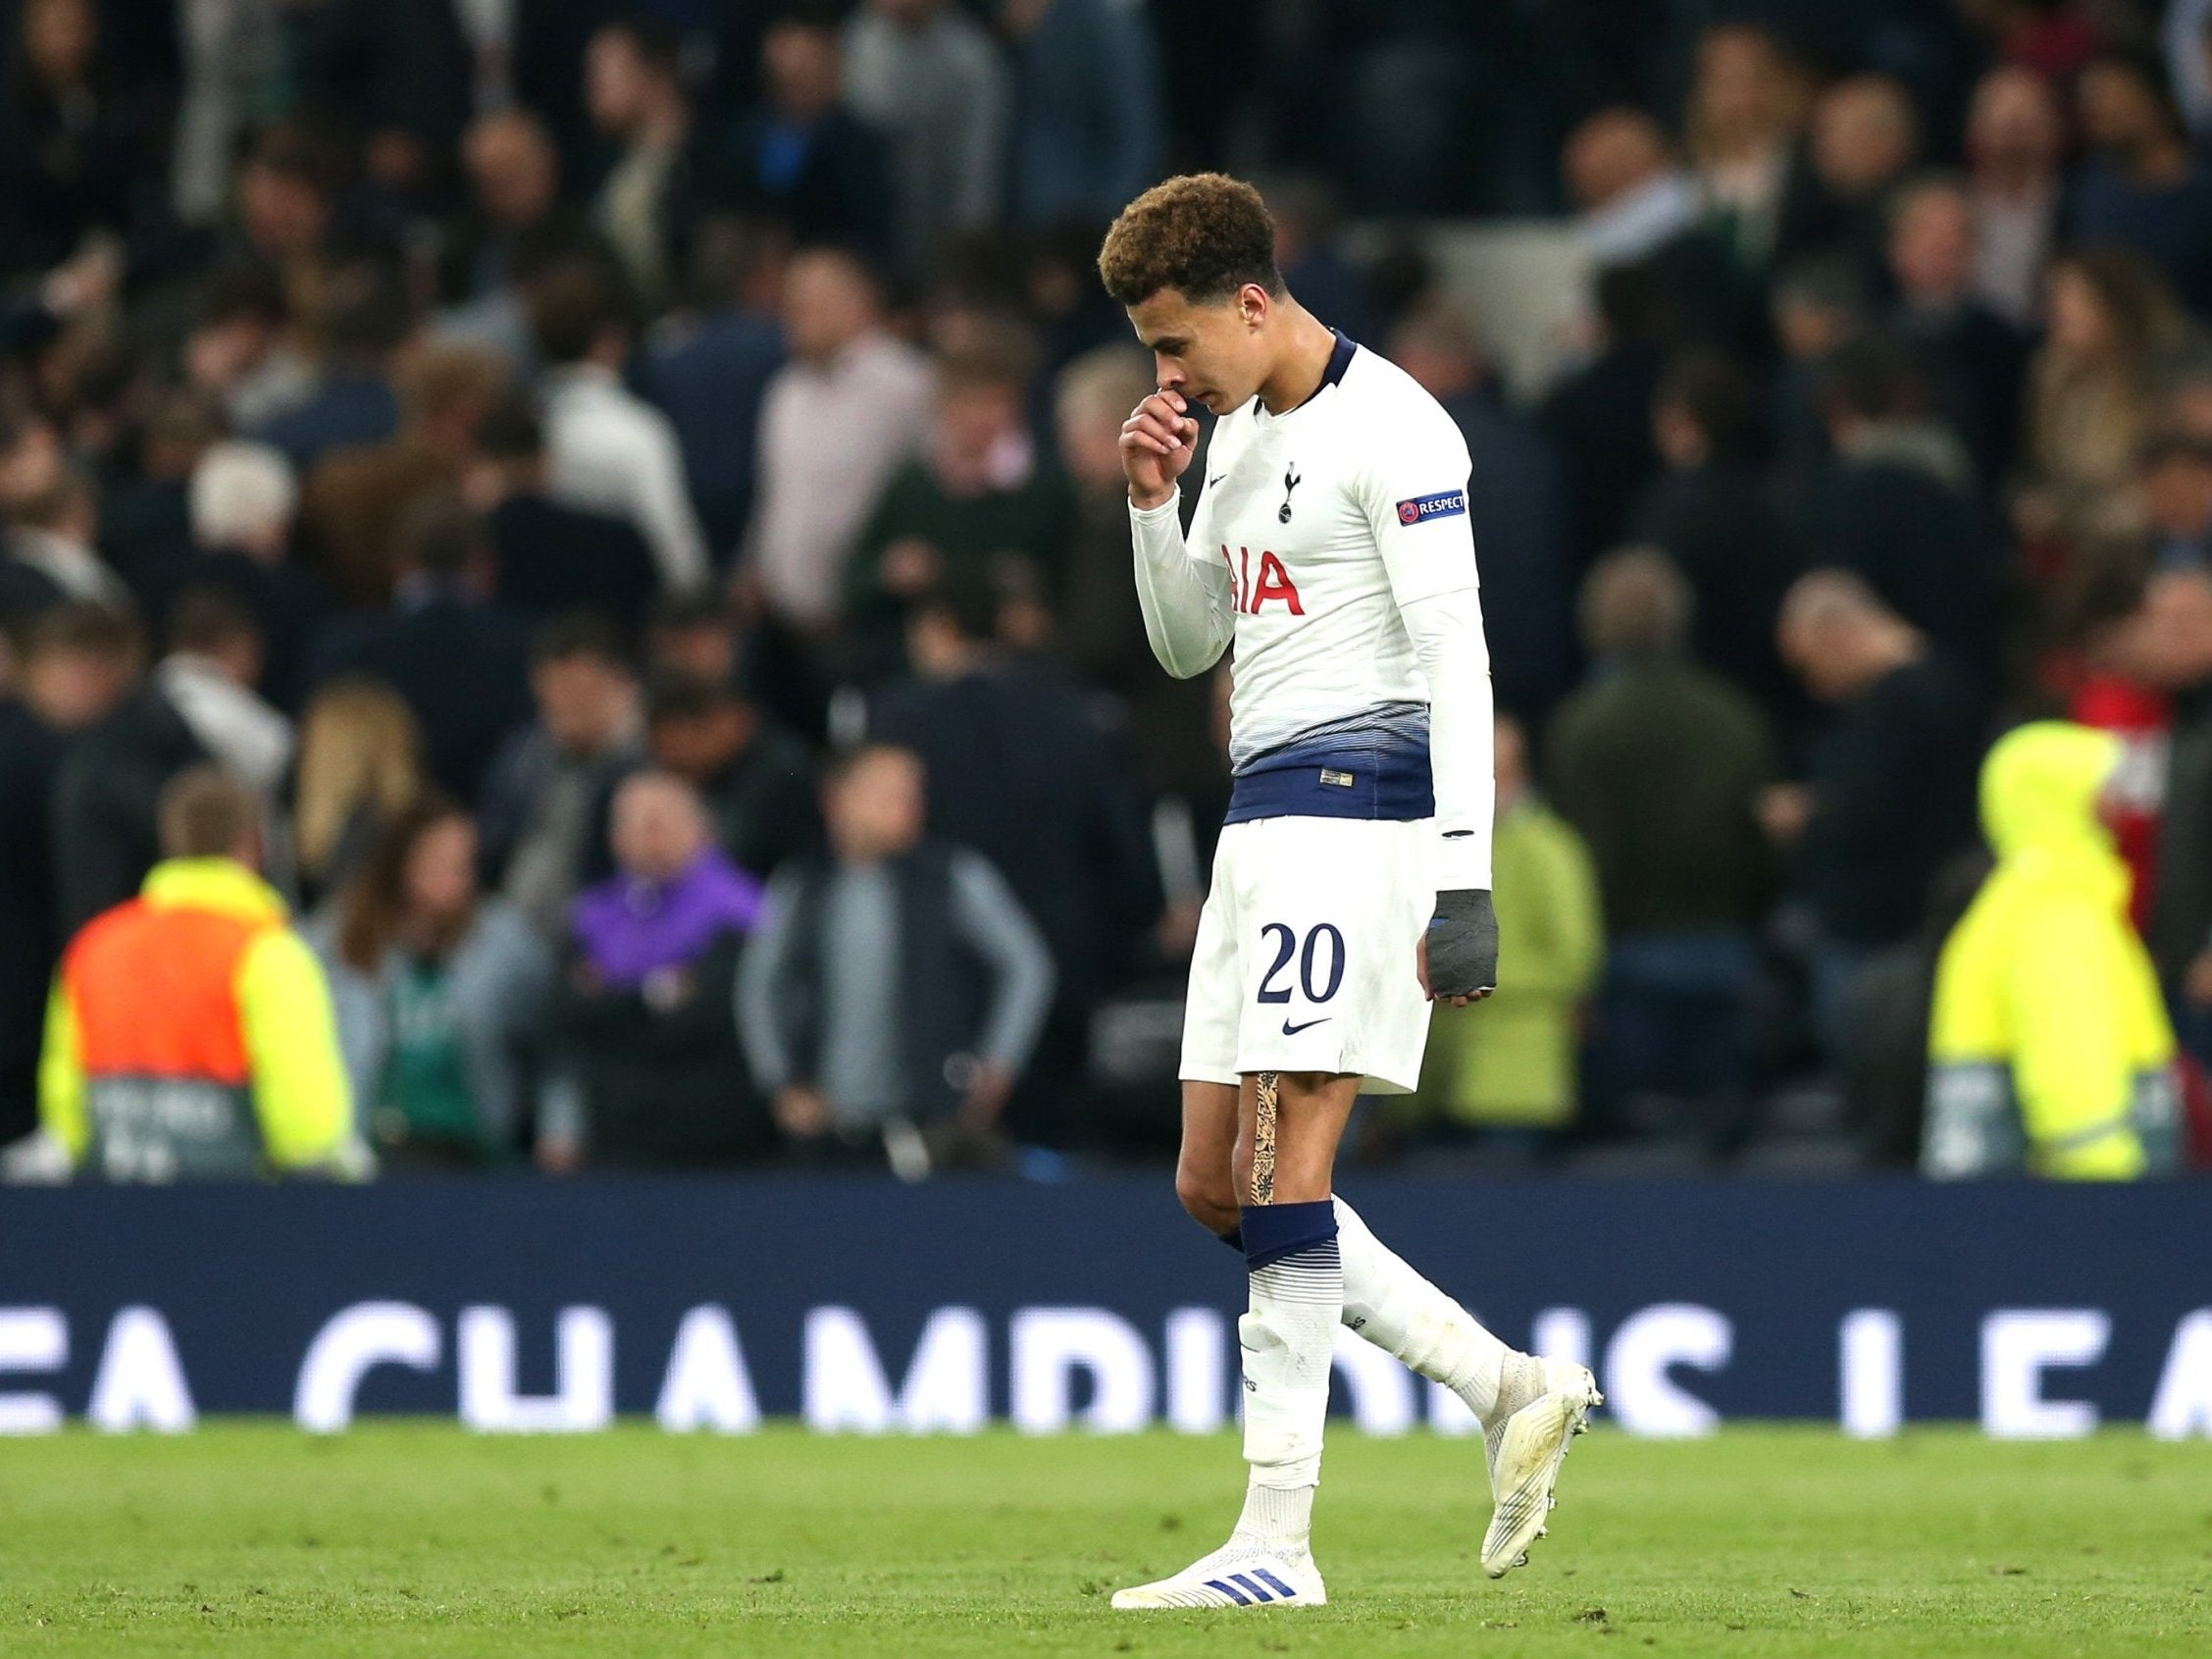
(1216, 479)
(1290, 1030)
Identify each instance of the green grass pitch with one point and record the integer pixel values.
(410, 1538)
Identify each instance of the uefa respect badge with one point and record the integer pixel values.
(1422, 508)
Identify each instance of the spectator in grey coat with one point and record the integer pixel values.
(898, 983)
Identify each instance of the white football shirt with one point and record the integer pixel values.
(1331, 546)
(1328, 518)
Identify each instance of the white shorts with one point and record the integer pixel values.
(1306, 955)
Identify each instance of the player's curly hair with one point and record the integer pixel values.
(1205, 234)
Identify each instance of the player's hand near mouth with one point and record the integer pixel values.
(1158, 441)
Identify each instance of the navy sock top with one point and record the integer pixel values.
(1272, 1231)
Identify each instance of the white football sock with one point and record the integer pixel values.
(1288, 1339)
(1282, 1518)
(1404, 1314)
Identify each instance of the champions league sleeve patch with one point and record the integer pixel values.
(1422, 508)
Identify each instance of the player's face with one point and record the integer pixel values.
(1211, 353)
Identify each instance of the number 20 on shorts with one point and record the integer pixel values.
(1309, 956)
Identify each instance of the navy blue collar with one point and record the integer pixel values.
(1340, 359)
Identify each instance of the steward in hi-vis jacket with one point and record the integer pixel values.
(189, 1035)
(2049, 1048)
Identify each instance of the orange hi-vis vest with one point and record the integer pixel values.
(190, 1035)
(167, 1002)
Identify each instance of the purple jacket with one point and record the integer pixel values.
(630, 928)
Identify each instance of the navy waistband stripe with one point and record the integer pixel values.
(1356, 784)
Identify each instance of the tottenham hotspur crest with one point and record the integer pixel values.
(1290, 483)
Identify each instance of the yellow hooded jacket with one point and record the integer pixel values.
(2049, 1048)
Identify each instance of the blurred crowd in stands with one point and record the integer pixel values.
(633, 491)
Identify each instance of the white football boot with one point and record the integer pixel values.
(1542, 1405)
(1243, 1573)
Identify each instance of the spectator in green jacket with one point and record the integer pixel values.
(1660, 764)
(980, 501)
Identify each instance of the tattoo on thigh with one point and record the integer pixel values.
(1263, 1086)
